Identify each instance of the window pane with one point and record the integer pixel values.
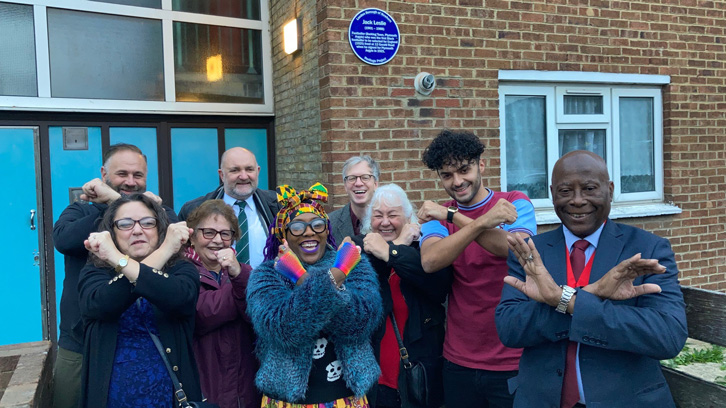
(217, 64)
(582, 139)
(140, 3)
(637, 164)
(583, 104)
(526, 141)
(102, 56)
(249, 9)
(17, 51)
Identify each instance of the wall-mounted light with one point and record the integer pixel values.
(291, 37)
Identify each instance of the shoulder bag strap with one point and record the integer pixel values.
(401, 348)
(181, 397)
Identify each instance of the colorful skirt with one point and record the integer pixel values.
(348, 402)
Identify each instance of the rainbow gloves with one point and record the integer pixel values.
(347, 258)
(290, 267)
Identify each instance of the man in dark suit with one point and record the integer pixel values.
(595, 304)
(239, 172)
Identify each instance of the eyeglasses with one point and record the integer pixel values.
(125, 224)
(298, 228)
(210, 233)
(363, 177)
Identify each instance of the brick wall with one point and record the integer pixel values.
(375, 110)
(297, 101)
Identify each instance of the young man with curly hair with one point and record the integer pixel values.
(470, 233)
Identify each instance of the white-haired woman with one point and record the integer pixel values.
(414, 297)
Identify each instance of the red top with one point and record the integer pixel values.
(390, 356)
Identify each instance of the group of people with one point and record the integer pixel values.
(255, 298)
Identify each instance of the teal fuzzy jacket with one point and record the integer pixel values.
(288, 319)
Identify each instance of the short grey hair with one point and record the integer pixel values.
(364, 158)
(393, 196)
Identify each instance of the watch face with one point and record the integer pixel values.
(123, 262)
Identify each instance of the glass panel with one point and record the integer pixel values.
(583, 104)
(526, 140)
(194, 163)
(140, 3)
(637, 162)
(102, 56)
(249, 9)
(17, 51)
(217, 64)
(582, 139)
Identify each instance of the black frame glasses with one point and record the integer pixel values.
(297, 228)
(125, 224)
(210, 233)
(363, 177)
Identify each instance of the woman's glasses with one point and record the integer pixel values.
(298, 228)
(210, 233)
(125, 224)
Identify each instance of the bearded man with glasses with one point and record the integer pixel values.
(360, 179)
(123, 172)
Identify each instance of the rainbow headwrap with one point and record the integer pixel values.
(295, 203)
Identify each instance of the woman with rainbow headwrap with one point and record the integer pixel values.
(314, 310)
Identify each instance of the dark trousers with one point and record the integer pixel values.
(471, 388)
(67, 379)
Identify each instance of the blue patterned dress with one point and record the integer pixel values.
(139, 377)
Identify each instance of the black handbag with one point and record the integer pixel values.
(179, 394)
(420, 390)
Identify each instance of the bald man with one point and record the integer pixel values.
(595, 304)
(240, 173)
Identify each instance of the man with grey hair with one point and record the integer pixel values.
(360, 178)
(255, 208)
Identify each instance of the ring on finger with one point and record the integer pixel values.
(529, 258)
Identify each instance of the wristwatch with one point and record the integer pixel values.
(567, 293)
(450, 214)
(122, 263)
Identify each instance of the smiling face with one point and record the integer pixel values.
(206, 248)
(462, 181)
(239, 173)
(310, 246)
(125, 172)
(360, 192)
(581, 192)
(387, 221)
(137, 242)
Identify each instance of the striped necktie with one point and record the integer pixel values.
(243, 243)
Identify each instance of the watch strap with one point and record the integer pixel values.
(567, 293)
(450, 213)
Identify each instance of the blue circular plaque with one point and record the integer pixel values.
(374, 36)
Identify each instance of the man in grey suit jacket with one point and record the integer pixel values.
(360, 177)
(239, 173)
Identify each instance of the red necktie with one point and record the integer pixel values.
(570, 392)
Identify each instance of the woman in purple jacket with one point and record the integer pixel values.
(223, 336)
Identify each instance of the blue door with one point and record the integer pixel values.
(21, 307)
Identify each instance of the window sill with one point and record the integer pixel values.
(547, 216)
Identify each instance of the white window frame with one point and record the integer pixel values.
(561, 91)
(553, 86)
(44, 101)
